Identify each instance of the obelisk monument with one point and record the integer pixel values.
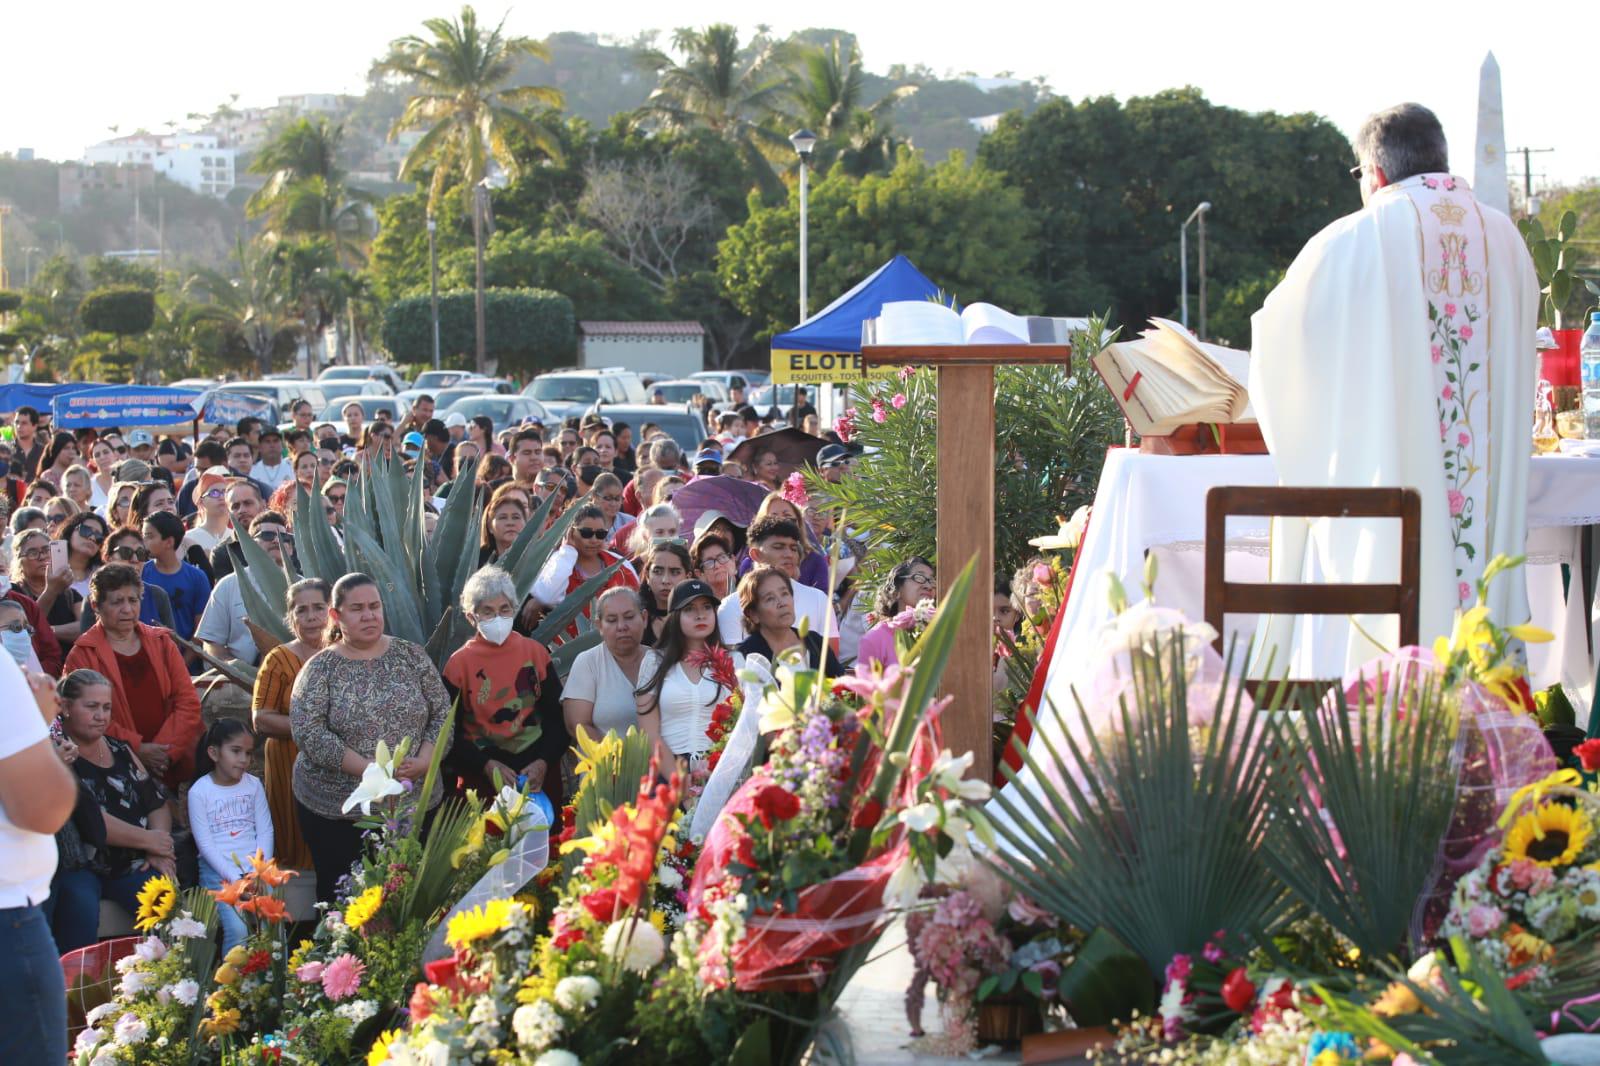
(1489, 154)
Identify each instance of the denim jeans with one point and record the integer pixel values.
(73, 908)
(32, 989)
(233, 927)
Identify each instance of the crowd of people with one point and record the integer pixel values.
(123, 588)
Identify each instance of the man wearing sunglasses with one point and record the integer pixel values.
(225, 628)
(1378, 361)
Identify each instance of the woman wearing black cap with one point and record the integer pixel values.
(687, 674)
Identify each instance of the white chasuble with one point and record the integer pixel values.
(1399, 351)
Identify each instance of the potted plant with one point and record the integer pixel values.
(1552, 260)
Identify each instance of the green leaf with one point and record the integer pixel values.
(402, 614)
(263, 588)
(555, 623)
(1105, 981)
(987, 986)
(1544, 260)
(1569, 226)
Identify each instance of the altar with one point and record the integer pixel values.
(1155, 505)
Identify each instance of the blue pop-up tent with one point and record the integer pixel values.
(125, 405)
(39, 396)
(827, 346)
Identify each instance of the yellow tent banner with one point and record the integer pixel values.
(824, 368)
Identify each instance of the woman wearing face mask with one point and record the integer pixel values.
(678, 692)
(598, 697)
(16, 636)
(510, 721)
(308, 621)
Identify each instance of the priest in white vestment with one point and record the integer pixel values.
(1399, 351)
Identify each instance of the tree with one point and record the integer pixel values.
(306, 194)
(469, 113)
(1110, 183)
(825, 96)
(961, 225)
(122, 311)
(254, 312)
(574, 262)
(648, 211)
(529, 329)
(713, 86)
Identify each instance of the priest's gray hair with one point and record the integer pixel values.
(1405, 140)
(486, 584)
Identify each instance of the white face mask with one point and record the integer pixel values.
(19, 644)
(495, 630)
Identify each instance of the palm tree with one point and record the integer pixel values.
(256, 307)
(825, 97)
(713, 87)
(469, 112)
(305, 194)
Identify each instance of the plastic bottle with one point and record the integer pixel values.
(1589, 357)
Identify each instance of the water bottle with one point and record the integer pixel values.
(1589, 356)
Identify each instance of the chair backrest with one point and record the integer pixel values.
(1224, 597)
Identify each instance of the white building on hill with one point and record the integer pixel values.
(194, 160)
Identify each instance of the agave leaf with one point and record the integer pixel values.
(416, 497)
(264, 589)
(562, 655)
(402, 613)
(321, 551)
(452, 631)
(389, 504)
(557, 620)
(532, 531)
(460, 505)
(466, 556)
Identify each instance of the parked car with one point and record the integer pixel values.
(376, 371)
(728, 379)
(575, 392)
(682, 425)
(370, 406)
(283, 393)
(504, 411)
(499, 386)
(338, 390)
(431, 381)
(684, 390)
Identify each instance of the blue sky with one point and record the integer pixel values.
(72, 69)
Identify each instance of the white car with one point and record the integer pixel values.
(375, 372)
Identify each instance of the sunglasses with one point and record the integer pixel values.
(122, 449)
(126, 552)
(17, 626)
(336, 499)
(94, 533)
(56, 518)
(269, 536)
(591, 534)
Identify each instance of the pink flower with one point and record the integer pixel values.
(1466, 333)
(1041, 573)
(845, 425)
(311, 971)
(1178, 968)
(1449, 310)
(1463, 592)
(1438, 353)
(1212, 952)
(898, 400)
(1463, 438)
(906, 372)
(342, 977)
(1458, 502)
(794, 489)
(880, 413)
(904, 620)
(1442, 428)
(1448, 391)
(1481, 920)
(1024, 910)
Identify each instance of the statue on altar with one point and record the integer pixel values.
(1399, 351)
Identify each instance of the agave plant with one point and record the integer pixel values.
(384, 535)
(1363, 796)
(1155, 834)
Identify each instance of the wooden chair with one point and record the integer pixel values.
(1224, 597)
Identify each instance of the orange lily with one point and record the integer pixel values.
(270, 908)
(267, 871)
(232, 892)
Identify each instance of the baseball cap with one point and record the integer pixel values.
(270, 431)
(211, 477)
(455, 420)
(708, 519)
(140, 438)
(686, 592)
(832, 455)
(708, 455)
(411, 440)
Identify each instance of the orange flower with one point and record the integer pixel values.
(232, 892)
(267, 872)
(270, 908)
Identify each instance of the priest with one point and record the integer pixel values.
(1399, 351)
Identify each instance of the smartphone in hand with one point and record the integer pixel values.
(58, 555)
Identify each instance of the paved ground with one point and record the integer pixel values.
(874, 1009)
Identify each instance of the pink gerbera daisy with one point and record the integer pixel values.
(342, 977)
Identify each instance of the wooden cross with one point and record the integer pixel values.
(966, 516)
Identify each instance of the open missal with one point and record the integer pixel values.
(921, 322)
(1166, 380)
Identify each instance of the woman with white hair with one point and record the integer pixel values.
(510, 720)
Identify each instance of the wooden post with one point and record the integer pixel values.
(966, 531)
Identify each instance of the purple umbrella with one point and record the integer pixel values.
(734, 498)
(793, 448)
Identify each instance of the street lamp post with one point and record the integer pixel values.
(804, 141)
(1183, 266)
(433, 285)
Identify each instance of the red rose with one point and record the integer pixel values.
(774, 803)
(601, 904)
(1237, 991)
(1589, 754)
(712, 760)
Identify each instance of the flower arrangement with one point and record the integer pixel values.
(155, 1011)
(249, 984)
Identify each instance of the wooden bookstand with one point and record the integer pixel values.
(1206, 438)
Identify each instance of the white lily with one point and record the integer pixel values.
(920, 818)
(904, 886)
(377, 781)
(948, 770)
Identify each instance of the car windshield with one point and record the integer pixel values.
(686, 429)
(566, 390)
(679, 393)
(338, 390)
(437, 379)
(445, 397)
(345, 373)
(498, 410)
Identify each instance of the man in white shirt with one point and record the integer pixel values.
(271, 469)
(775, 542)
(37, 794)
(225, 628)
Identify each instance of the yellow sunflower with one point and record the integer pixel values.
(380, 1047)
(1552, 834)
(361, 910)
(156, 900)
(469, 927)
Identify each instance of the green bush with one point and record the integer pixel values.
(121, 310)
(10, 300)
(527, 330)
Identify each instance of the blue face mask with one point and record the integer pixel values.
(18, 644)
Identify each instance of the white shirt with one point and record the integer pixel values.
(223, 622)
(272, 476)
(685, 706)
(597, 679)
(229, 823)
(812, 604)
(30, 858)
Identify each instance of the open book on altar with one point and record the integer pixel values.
(1167, 379)
(920, 322)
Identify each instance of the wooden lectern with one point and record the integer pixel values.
(966, 516)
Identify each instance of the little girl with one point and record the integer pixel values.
(228, 814)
